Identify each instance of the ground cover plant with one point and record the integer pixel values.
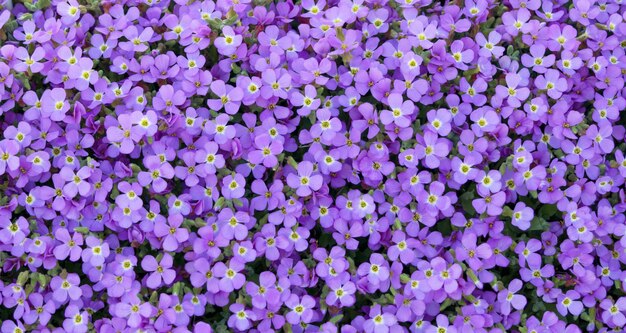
(448, 166)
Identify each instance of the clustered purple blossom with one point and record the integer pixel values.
(312, 166)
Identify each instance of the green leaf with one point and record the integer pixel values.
(24, 80)
(352, 265)
(136, 169)
(510, 50)
(42, 279)
(538, 224)
(215, 24)
(82, 230)
(336, 319)
(43, 4)
(231, 20)
(397, 224)
(585, 316)
(507, 211)
(177, 288)
(199, 223)
(28, 16)
(445, 304)
(154, 297)
(547, 211)
(22, 278)
(466, 201)
(219, 203)
(472, 276)
(292, 162)
(539, 307)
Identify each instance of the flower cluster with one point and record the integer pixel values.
(312, 166)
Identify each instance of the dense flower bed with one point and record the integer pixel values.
(312, 166)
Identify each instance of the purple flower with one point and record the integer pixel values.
(171, 232)
(267, 151)
(306, 181)
(490, 46)
(341, 294)
(513, 92)
(69, 11)
(379, 321)
(8, 153)
(509, 299)
(210, 158)
(41, 312)
(228, 43)
(265, 292)
(54, 104)
(228, 97)
(301, 309)
(569, 303)
(136, 39)
(134, 309)
(472, 253)
(161, 272)
(125, 135)
(156, 173)
(66, 288)
(167, 99)
(418, 166)
(552, 82)
(220, 129)
(76, 321)
(70, 247)
(376, 270)
(432, 149)
(96, 252)
(399, 113)
(444, 275)
(241, 317)
(403, 248)
(522, 216)
(614, 311)
(233, 224)
(230, 276)
(233, 187)
(269, 243)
